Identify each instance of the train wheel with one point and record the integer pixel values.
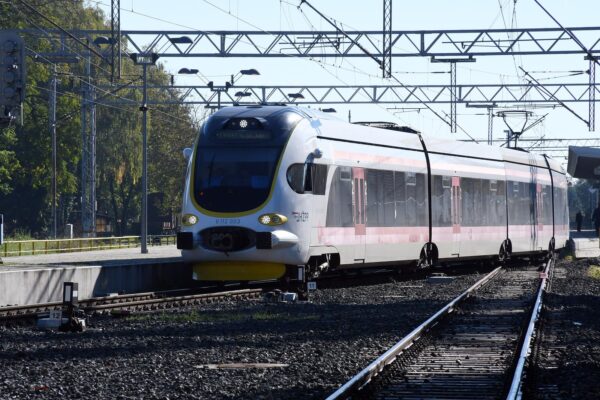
(429, 255)
(551, 248)
(504, 253)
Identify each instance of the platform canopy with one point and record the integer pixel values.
(584, 162)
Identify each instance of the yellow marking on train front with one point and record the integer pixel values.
(238, 271)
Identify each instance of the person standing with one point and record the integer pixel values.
(579, 220)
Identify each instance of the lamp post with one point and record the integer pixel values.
(296, 96)
(144, 60)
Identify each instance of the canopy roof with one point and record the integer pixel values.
(584, 162)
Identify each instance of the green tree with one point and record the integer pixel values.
(25, 151)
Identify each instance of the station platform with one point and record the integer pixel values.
(585, 244)
(39, 279)
(99, 257)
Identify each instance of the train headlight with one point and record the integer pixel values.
(272, 219)
(189, 219)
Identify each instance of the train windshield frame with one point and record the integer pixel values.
(236, 160)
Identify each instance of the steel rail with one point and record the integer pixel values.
(364, 376)
(175, 299)
(515, 391)
(121, 302)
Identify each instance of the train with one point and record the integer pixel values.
(284, 192)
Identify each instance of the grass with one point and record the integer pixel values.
(594, 272)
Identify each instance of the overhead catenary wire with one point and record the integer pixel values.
(380, 64)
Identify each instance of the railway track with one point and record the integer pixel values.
(473, 348)
(131, 302)
(175, 298)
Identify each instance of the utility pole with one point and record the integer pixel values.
(490, 125)
(88, 154)
(592, 93)
(52, 123)
(144, 222)
(386, 60)
(115, 39)
(454, 98)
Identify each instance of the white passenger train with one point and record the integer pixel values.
(274, 191)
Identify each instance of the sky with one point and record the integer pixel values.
(269, 15)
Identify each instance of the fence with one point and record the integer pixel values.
(33, 247)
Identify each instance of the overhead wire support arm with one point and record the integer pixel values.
(356, 43)
(562, 103)
(592, 70)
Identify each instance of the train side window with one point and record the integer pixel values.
(319, 178)
(339, 203)
(421, 197)
(389, 212)
(411, 179)
(345, 173)
(446, 182)
(400, 198)
(493, 185)
(295, 177)
(307, 178)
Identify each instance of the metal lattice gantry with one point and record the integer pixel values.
(470, 94)
(426, 43)
(436, 44)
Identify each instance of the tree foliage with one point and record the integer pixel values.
(26, 151)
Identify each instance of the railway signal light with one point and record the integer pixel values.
(12, 69)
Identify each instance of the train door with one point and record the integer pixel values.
(456, 215)
(358, 206)
(539, 213)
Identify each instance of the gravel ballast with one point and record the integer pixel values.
(566, 362)
(227, 350)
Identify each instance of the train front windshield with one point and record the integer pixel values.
(234, 179)
(235, 163)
